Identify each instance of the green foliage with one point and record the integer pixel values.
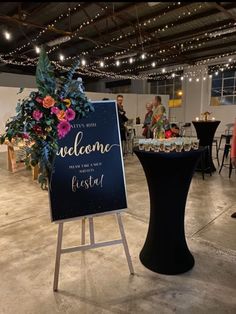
(45, 77)
(39, 117)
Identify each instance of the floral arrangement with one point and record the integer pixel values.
(45, 116)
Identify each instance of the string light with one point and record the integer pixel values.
(182, 78)
(37, 49)
(83, 62)
(61, 57)
(7, 35)
(173, 75)
(190, 79)
(117, 62)
(153, 64)
(143, 56)
(197, 79)
(131, 60)
(102, 64)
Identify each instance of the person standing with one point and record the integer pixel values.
(122, 120)
(159, 122)
(147, 121)
(233, 155)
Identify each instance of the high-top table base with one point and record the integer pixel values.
(168, 175)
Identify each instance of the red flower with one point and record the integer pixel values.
(37, 129)
(168, 134)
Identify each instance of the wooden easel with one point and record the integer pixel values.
(92, 244)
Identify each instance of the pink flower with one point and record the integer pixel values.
(55, 110)
(63, 128)
(70, 114)
(37, 115)
(39, 100)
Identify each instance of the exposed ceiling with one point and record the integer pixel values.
(167, 33)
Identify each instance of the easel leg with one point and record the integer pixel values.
(83, 232)
(58, 256)
(125, 244)
(91, 231)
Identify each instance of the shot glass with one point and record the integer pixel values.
(167, 146)
(187, 145)
(179, 145)
(195, 144)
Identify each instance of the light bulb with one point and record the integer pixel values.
(37, 49)
(173, 74)
(143, 56)
(7, 35)
(131, 60)
(182, 78)
(163, 70)
(190, 79)
(216, 73)
(83, 62)
(117, 63)
(61, 57)
(204, 78)
(153, 64)
(230, 59)
(197, 79)
(101, 64)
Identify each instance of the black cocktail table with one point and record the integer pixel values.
(168, 176)
(205, 133)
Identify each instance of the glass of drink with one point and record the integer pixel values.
(179, 145)
(167, 146)
(195, 143)
(187, 145)
(141, 144)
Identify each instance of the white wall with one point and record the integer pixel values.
(17, 80)
(197, 100)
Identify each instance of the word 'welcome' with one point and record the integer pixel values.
(77, 150)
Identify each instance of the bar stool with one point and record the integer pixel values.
(227, 136)
(225, 156)
(206, 154)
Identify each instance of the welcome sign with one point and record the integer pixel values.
(88, 174)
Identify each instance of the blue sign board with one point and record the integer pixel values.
(88, 174)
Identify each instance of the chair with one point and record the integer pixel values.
(225, 156)
(227, 135)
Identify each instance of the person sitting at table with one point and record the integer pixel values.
(174, 130)
(147, 121)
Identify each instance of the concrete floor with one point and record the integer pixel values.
(98, 281)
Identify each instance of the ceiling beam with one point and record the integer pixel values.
(30, 24)
(225, 11)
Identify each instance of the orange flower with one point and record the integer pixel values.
(67, 102)
(61, 115)
(48, 102)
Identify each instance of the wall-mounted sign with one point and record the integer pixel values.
(88, 174)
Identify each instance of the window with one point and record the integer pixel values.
(223, 89)
(171, 87)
